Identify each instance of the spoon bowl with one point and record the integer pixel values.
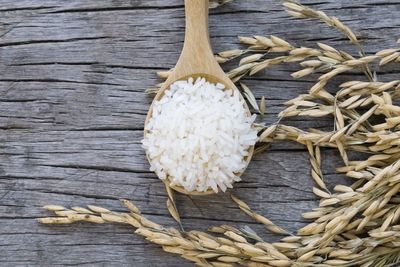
(197, 60)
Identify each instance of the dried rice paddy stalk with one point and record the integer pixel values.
(201, 248)
(295, 9)
(171, 206)
(259, 218)
(315, 160)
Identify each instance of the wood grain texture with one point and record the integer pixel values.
(72, 108)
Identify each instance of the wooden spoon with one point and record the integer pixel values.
(197, 60)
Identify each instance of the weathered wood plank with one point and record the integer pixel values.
(72, 107)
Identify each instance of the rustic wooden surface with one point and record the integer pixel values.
(72, 107)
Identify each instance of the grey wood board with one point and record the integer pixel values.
(72, 107)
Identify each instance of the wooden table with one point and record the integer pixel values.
(72, 107)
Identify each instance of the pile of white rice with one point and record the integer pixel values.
(198, 136)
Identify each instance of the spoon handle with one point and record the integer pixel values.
(196, 35)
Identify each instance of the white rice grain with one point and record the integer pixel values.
(198, 135)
